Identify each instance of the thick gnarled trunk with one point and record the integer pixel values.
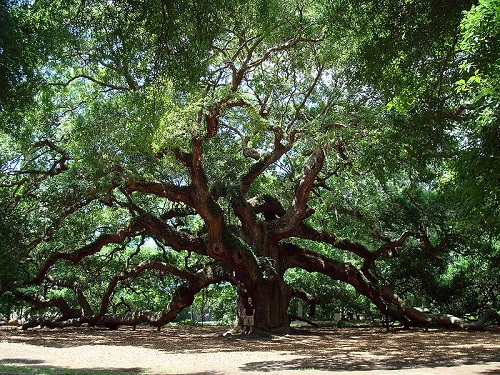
(271, 297)
(271, 303)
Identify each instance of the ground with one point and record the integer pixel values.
(204, 350)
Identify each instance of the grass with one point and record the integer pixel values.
(32, 370)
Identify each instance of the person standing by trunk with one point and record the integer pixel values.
(248, 317)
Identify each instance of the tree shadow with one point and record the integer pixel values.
(362, 350)
(327, 349)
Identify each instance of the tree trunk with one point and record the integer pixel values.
(271, 299)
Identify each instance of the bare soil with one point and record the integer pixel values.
(204, 350)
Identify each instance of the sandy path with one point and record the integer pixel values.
(203, 351)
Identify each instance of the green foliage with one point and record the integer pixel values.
(469, 284)
(476, 179)
(401, 45)
(18, 57)
(32, 370)
(334, 296)
(96, 96)
(214, 303)
(12, 249)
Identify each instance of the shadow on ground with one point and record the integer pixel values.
(326, 349)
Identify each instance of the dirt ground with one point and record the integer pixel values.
(196, 351)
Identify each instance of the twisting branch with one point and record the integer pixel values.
(96, 81)
(176, 239)
(441, 319)
(177, 212)
(135, 272)
(426, 242)
(247, 151)
(214, 111)
(159, 229)
(282, 47)
(306, 232)
(183, 296)
(172, 192)
(238, 74)
(36, 175)
(268, 206)
(85, 251)
(39, 303)
(386, 248)
(203, 201)
(82, 300)
(346, 272)
(260, 166)
(243, 209)
(311, 300)
(298, 209)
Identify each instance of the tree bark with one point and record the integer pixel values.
(272, 299)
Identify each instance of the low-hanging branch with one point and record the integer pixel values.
(189, 278)
(311, 261)
(86, 250)
(182, 296)
(312, 301)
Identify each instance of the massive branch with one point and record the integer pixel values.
(183, 296)
(176, 239)
(172, 192)
(244, 209)
(446, 320)
(285, 225)
(86, 250)
(307, 232)
(189, 278)
(386, 300)
(346, 272)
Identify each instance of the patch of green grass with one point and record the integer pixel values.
(32, 370)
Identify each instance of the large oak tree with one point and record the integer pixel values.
(162, 147)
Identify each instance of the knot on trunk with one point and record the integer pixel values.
(217, 248)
